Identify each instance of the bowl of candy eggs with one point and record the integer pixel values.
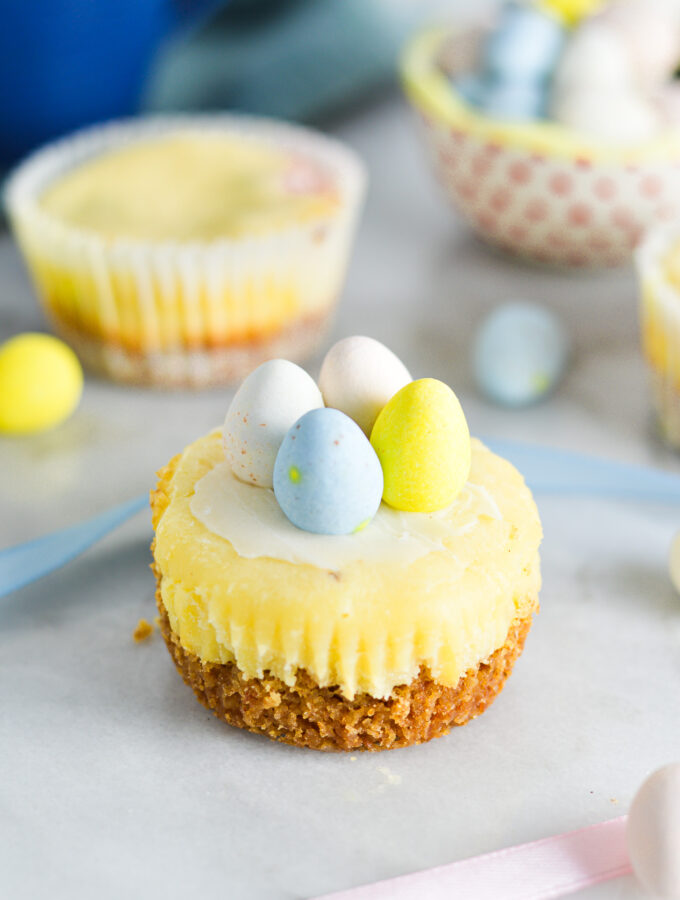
(555, 130)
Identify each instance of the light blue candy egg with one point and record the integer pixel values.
(525, 44)
(520, 353)
(518, 100)
(327, 477)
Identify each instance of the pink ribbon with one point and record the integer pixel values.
(540, 870)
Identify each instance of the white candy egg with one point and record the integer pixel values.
(358, 376)
(595, 59)
(268, 402)
(519, 353)
(667, 101)
(621, 116)
(653, 833)
(674, 562)
(650, 31)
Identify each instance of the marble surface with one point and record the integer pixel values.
(116, 783)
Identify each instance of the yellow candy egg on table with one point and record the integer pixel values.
(40, 383)
(422, 440)
(571, 11)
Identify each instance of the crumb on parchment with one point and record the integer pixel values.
(143, 631)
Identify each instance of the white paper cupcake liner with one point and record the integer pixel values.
(193, 314)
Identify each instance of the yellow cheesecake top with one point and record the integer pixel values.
(366, 616)
(192, 187)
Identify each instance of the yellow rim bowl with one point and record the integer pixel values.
(539, 190)
(431, 93)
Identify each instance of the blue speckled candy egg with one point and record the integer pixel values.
(503, 99)
(327, 477)
(524, 46)
(520, 353)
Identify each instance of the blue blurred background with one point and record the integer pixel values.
(68, 63)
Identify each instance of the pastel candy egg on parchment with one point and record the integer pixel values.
(358, 376)
(653, 833)
(327, 477)
(520, 352)
(422, 440)
(268, 402)
(41, 382)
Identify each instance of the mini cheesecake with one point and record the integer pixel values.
(185, 251)
(367, 641)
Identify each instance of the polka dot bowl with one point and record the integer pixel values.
(537, 190)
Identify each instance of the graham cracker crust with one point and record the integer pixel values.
(307, 715)
(321, 718)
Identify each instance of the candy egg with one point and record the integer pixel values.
(423, 444)
(358, 376)
(40, 383)
(617, 116)
(650, 30)
(653, 833)
(571, 11)
(595, 58)
(327, 477)
(524, 45)
(515, 100)
(519, 354)
(268, 402)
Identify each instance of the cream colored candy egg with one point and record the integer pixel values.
(617, 116)
(653, 833)
(40, 383)
(595, 57)
(268, 402)
(422, 440)
(358, 376)
(650, 30)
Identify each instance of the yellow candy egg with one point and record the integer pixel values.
(40, 383)
(572, 11)
(423, 444)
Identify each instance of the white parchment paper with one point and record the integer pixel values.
(115, 783)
